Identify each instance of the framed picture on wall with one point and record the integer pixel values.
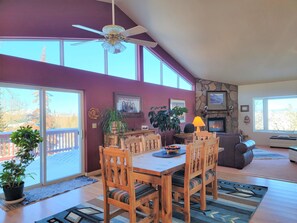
(216, 100)
(244, 108)
(179, 103)
(129, 105)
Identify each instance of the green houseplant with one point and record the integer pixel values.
(13, 174)
(113, 122)
(166, 119)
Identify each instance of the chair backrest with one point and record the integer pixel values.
(151, 142)
(211, 153)
(203, 135)
(116, 167)
(194, 160)
(133, 143)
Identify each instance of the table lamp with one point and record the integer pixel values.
(197, 122)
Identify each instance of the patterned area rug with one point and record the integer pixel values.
(42, 193)
(261, 154)
(237, 203)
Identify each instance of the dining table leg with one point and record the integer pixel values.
(166, 199)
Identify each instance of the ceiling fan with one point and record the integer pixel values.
(114, 35)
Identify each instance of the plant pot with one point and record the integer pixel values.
(13, 193)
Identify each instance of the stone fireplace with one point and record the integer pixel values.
(216, 124)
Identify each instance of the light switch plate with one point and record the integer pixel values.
(94, 125)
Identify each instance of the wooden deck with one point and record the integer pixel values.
(69, 160)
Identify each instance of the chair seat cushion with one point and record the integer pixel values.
(141, 190)
(178, 180)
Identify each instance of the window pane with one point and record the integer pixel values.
(282, 114)
(86, 56)
(39, 50)
(258, 114)
(169, 76)
(151, 68)
(183, 84)
(19, 107)
(123, 64)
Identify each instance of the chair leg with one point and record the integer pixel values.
(187, 211)
(156, 210)
(203, 198)
(132, 214)
(106, 211)
(215, 189)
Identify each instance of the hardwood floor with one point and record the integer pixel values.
(278, 205)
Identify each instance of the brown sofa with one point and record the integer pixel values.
(237, 153)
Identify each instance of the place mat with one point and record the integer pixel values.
(164, 154)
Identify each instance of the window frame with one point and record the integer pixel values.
(139, 60)
(163, 62)
(265, 114)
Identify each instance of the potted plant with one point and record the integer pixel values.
(166, 119)
(113, 122)
(13, 174)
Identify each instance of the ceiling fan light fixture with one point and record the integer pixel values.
(113, 48)
(113, 29)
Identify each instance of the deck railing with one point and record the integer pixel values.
(57, 140)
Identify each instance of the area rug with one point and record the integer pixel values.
(261, 154)
(42, 193)
(237, 203)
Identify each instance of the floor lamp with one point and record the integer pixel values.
(198, 122)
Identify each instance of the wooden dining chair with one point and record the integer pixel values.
(203, 135)
(188, 182)
(210, 166)
(133, 143)
(121, 190)
(151, 142)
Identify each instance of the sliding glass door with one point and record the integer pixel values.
(57, 115)
(19, 107)
(63, 134)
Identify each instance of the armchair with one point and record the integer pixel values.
(237, 153)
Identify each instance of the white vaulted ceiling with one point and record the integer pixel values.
(232, 41)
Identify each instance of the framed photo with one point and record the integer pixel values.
(72, 217)
(244, 108)
(216, 100)
(129, 105)
(179, 103)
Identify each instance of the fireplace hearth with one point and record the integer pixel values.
(216, 124)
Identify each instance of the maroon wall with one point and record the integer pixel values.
(53, 18)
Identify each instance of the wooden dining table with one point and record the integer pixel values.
(159, 171)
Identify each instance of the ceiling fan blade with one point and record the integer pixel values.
(141, 42)
(89, 29)
(134, 31)
(86, 41)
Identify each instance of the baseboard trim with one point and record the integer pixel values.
(93, 173)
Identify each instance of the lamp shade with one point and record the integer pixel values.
(197, 122)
